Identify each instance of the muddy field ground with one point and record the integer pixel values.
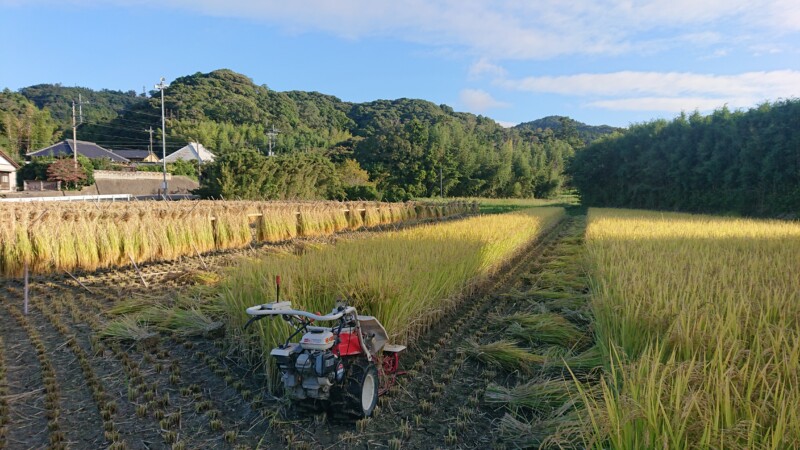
(62, 386)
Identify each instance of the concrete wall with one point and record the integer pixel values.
(118, 175)
(133, 186)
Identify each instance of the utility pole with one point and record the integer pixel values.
(441, 183)
(75, 128)
(272, 134)
(74, 137)
(160, 86)
(150, 148)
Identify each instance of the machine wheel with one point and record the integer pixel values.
(360, 391)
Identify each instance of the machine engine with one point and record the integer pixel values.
(310, 368)
(351, 359)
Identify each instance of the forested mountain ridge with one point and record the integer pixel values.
(408, 147)
(99, 106)
(588, 133)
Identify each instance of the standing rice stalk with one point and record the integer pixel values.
(698, 319)
(407, 279)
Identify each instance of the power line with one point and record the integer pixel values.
(117, 137)
(134, 111)
(120, 118)
(117, 127)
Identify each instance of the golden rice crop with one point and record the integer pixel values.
(407, 279)
(89, 236)
(699, 321)
(355, 216)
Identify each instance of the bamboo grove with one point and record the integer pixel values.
(741, 162)
(89, 236)
(699, 319)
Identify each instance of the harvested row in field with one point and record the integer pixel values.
(406, 279)
(51, 392)
(158, 389)
(699, 321)
(3, 402)
(76, 413)
(154, 391)
(89, 236)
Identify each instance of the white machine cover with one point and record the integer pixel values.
(370, 326)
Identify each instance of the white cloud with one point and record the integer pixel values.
(671, 104)
(479, 101)
(753, 85)
(505, 124)
(506, 29)
(484, 67)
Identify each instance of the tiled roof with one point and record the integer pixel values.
(132, 154)
(87, 149)
(193, 150)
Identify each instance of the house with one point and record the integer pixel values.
(88, 149)
(8, 173)
(138, 155)
(192, 151)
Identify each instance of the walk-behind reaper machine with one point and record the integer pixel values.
(345, 366)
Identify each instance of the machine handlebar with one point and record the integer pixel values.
(265, 310)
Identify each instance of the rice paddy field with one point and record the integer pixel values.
(698, 319)
(534, 326)
(152, 355)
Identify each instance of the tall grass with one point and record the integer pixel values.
(407, 279)
(699, 321)
(90, 236)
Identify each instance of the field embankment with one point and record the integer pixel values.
(699, 320)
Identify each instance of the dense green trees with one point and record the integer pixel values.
(102, 105)
(742, 162)
(408, 147)
(569, 127)
(249, 174)
(23, 126)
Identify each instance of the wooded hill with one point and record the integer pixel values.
(409, 148)
(567, 126)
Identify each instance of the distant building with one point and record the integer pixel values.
(88, 149)
(8, 173)
(193, 151)
(138, 155)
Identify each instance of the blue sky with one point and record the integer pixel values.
(601, 62)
